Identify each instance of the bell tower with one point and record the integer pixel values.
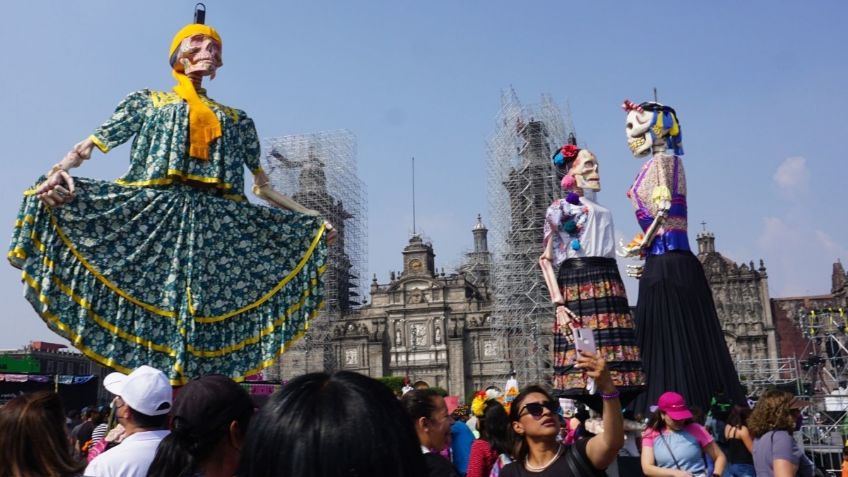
(418, 258)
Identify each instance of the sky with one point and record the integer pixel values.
(759, 88)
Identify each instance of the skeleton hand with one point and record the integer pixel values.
(58, 189)
(628, 250)
(567, 318)
(663, 207)
(635, 271)
(331, 232)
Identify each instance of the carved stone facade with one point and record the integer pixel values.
(742, 302)
(426, 325)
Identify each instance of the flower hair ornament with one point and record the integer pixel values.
(567, 153)
(478, 404)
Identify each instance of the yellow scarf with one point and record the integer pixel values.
(203, 125)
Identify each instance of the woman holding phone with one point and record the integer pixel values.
(535, 420)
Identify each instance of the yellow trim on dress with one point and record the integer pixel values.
(18, 252)
(253, 339)
(164, 98)
(277, 288)
(103, 279)
(232, 113)
(77, 340)
(161, 98)
(28, 219)
(83, 303)
(100, 144)
(273, 360)
(172, 173)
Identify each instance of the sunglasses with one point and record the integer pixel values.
(536, 409)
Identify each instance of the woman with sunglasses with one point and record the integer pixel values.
(536, 423)
(674, 444)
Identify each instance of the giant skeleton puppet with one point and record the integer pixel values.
(580, 270)
(169, 265)
(677, 329)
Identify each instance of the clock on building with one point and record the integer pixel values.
(415, 265)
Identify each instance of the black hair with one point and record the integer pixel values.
(698, 415)
(653, 107)
(494, 427)
(149, 422)
(321, 425)
(739, 416)
(420, 403)
(515, 415)
(203, 412)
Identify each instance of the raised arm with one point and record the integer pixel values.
(262, 188)
(603, 448)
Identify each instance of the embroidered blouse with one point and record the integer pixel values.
(159, 122)
(596, 234)
(662, 178)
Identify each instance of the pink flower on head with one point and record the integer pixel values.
(568, 182)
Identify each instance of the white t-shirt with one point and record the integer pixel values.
(597, 237)
(130, 458)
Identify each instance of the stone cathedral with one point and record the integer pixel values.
(423, 323)
(742, 302)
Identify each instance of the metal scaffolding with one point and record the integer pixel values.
(824, 363)
(824, 379)
(760, 374)
(319, 171)
(522, 183)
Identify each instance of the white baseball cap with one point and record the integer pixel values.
(145, 390)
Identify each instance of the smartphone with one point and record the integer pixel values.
(584, 340)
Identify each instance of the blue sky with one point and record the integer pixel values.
(759, 87)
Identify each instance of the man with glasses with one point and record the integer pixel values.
(142, 402)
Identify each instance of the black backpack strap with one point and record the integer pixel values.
(579, 466)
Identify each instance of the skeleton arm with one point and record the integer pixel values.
(58, 189)
(563, 314)
(262, 189)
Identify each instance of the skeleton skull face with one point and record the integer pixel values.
(638, 129)
(585, 171)
(200, 55)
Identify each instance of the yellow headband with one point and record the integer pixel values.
(191, 30)
(203, 126)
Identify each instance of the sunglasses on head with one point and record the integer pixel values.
(536, 409)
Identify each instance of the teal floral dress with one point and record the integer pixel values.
(169, 265)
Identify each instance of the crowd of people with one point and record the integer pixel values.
(347, 424)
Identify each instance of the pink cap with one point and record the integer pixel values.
(674, 405)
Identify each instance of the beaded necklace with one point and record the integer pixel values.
(533, 468)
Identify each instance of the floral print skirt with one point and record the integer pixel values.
(593, 290)
(177, 277)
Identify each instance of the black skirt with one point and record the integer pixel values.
(680, 337)
(593, 290)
